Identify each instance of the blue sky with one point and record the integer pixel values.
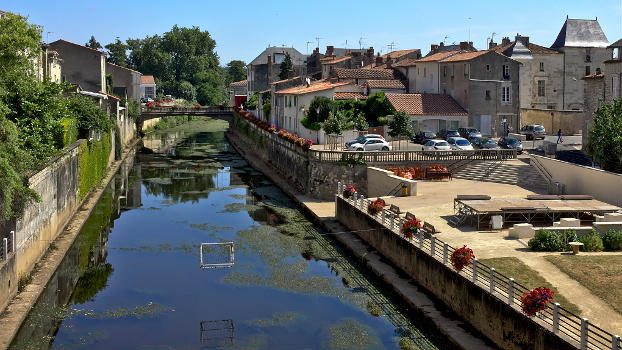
(242, 29)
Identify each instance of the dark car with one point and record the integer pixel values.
(466, 132)
(511, 143)
(486, 143)
(423, 136)
(533, 131)
(445, 134)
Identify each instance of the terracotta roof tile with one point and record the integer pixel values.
(432, 58)
(349, 96)
(399, 53)
(331, 60)
(238, 83)
(465, 56)
(385, 84)
(537, 49)
(426, 104)
(319, 85)
(147, 79)
(346, 73)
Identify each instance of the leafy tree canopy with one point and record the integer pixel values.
(93, 44)
(236, 71)
(336, 123)
(286, 67)
(605, 139)
(20, 45)
(117, 53)
(377, 105)
(320, 109)
(401, 125)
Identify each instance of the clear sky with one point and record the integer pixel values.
(242, 29)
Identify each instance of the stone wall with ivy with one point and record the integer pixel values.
(92, 163)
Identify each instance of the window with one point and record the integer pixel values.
(587, 70)
(453, 70)
(279, 57)
(541, 88)
(488, 94)
(445, 71)
(487, 68)
(588, 56)
(295, 101)
(541, 66)
(505, 96)
(424, 72)
(466, 69)
(506, 71)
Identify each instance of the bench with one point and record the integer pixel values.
(437, 175)
(395, 210)
(473, 197)
(409, 216)
(428, 229)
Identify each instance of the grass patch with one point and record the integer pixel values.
(530, 278)
(601, 274)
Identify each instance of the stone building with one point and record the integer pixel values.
(147, 87)
(422, 74)
(541, 72)
(265, 68)
(126, 78)
(389, 60)
(584, 46)
(360, 76)
(237, 93)
(316, 60)
(430, 112)
(463, 46)
(602, 86)
(82, 65)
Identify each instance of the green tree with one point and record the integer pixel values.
(401, 125)
(251, 103)
(117, 53)
(320, 109)
(336, 123)
(605, 138)
(19, 47)
(93, 44)
(236, 71)
(286, 67)
(377, 105)
(186, 91)
(360, 123)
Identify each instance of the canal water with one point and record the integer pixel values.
(133, 277)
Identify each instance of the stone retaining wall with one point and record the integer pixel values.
(505, 325)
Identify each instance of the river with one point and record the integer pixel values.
(133, 277)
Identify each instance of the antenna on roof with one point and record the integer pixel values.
(445, 39)
(308, 42)
(391, 46)
(361, 43)
(345, 45)
(318, 41)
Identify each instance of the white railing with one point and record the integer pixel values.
(557, 319)
(7, 245)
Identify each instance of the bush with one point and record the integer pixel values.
(382, 121)
(545, 240)
(612, 240)
(307, 123)
(569, 236)
(592, 242)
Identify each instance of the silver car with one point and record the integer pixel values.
(533, 131)
(372, 144)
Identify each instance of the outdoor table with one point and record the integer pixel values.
(575, 247)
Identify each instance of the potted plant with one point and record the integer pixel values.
(348, 191)
(374, 207)
(197, 106)
(536, 300)
(272, 128)
(462, 257)
(410, 227)
(307, 145)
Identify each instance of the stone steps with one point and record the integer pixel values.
(513, 172)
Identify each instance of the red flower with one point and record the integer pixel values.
(536, 300)
(462, 257)
(349, 191)
(410, 227)
(375, 207)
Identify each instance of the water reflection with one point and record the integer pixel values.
(131, 279)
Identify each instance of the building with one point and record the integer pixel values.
(357, 58)
(147, 86)
(360, 76)
(82, 65)
(237, 93)
(486, 84)
(541, 72)
(392, 86)
(602, 87)
(584, 46)
(422, 74)
(265, 68)
(53, 67)
(463, 46)
(388, 60)
(127, 78)
(430, 112)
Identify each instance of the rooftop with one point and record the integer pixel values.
(298, 59)
(319, 85)
(346, 73)
(465, 56)
(147, 79)
(385, 84)
(332, 59)
(349, 96)
(69, 42)
(431, 58)
(581, 33)
(618, 43)
(533, 48)
(238, 83)
(426, 104)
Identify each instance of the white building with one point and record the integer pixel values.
(430, 112)
(147, 86)
(423, 74)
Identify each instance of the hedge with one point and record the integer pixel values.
(92, 163)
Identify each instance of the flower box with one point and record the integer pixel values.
(410, 227)
(348, 191)
(536, 300)
(462, 257)
(374, 207)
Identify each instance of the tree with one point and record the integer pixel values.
(19, 47)
(605, 138)
(236, 71)
(336, 123)
(117, 53)
(93, 44)
(251, 103)
(401, 125)
(360, 123)
(320, 109)
(377, 105)
(287, 67)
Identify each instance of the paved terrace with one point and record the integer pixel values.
(434, 204)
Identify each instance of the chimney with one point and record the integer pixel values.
(370, 52)
(505, 40)
(378, 60)
(464, 45)
(316, 50)
(329, 50)
(433, 47)
(522, 39)
(491, 45)
(442, 44)
(269, 60)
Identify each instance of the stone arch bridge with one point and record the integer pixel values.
(220, 112)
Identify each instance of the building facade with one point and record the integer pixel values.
(265, 68)
(147, 87)
(125, 78)
(430, 112)
(82, 65)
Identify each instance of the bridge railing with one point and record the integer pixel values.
(186, 110)
(411, 156)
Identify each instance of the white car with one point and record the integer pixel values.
(362, 139)
(437, 145)
(460, 143)
(372, 144)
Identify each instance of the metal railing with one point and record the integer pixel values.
(7, 245)
(541, 169)
(556, 318)
(187, 110)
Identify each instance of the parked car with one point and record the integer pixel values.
(460, 143)
(474, 134)
(146, 99)
(362, 139)
(371, 144)
(465, 132)
(485, 143)
(437, 145)
(533, 131)
(445, 134)
(423, 136)
(511, 143)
